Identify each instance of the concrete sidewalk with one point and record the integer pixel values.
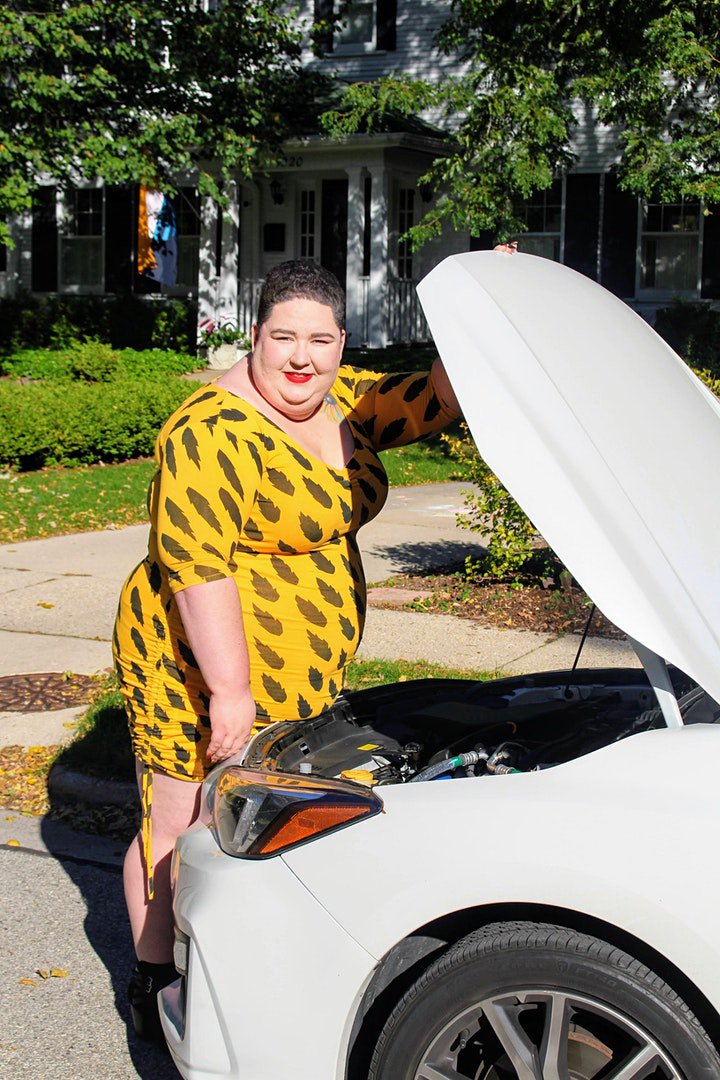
(58, 599)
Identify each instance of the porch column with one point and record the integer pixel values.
(228, 284)
(355, 227)
(379, 231)
(208, 277)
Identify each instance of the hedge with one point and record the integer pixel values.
(96, 362)
(72, 423)
(126, 321)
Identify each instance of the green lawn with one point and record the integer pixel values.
(64, 500)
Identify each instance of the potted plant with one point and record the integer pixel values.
(222, 341)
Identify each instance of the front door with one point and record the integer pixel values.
(333, 228)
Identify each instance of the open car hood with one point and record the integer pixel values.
(602, 434)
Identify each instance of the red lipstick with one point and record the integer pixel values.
(297, 376)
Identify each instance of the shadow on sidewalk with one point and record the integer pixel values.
(108, 932)
(428, 556)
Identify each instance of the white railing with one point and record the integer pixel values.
(248, 297)
(406, 322)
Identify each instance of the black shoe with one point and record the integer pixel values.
(145, 983)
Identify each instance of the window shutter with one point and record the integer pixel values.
(619, 239)
(711, 255)
(582, 219)
(44, 241)
(323, 35)
(386, 25)
(119, 219)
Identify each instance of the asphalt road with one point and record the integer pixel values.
(67, 915)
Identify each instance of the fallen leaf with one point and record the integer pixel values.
(7, 816)
(42, 973)
(58, 973)
(41, 604)
(27, 982)
(13, 843)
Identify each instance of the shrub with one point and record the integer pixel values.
(693, 331)
(127, 321)
(69, 423)
(64, 363)
(93, 361)
(491, 509)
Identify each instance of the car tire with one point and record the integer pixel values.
(530, 1001)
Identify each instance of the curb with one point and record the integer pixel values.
(66, 785)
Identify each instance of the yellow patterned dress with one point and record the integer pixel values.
(234, 496)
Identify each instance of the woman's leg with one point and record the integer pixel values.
(175, 805)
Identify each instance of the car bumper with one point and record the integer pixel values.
(265, 995)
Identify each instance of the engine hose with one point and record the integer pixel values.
(472, 757)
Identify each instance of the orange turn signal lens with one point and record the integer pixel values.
(256, 815)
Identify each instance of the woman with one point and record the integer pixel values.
(251, 600)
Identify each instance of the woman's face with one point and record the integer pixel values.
(296, 355)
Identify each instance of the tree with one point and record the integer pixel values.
(143, 90)
(651, 67)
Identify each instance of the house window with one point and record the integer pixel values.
(357, 27)
(81, 241)
(542, 214)
(186, 205)
(670, 247)
(307, 224)
(406, 219)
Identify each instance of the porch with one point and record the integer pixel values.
(401, 311)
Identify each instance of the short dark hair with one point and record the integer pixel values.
(301, 279)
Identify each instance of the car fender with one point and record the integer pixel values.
(625, 835)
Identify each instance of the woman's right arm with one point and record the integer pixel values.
(212, 618)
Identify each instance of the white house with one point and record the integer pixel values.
(347, 205)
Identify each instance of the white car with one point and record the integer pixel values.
(515, 880)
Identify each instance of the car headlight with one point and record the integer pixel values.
(254, 815)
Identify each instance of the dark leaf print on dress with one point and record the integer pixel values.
(280, 481)
(283, 571)
(432, 410)
(256, 457)
(136, 605)
(391, 382)
(318, 493)
(263, 587)
(252, 531)
(393, 431)
(178, 518)
(274, 689)
(368, 490)
(310, 529)
(233, 415)
(267, 508)
(266, 620)
(319, 647)
(269, 656)
(181, 753)
(300, 458)
(322, 562)
(172, 669)
(230, 475)
(138, 642)
(347, 628)
(204, 509)
(416, 388)
(231, 507)
(191, 446)
(190, 732)
(170, 457)
(159, 627)
(174, 549)
(303, 707)
(187, 654)
(310, 612)
(175, 698)
(267, 442)
(315, 679)
(330, 595)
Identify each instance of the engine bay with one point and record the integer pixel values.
(432, 728)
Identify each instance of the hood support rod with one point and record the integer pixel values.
(657, 672)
